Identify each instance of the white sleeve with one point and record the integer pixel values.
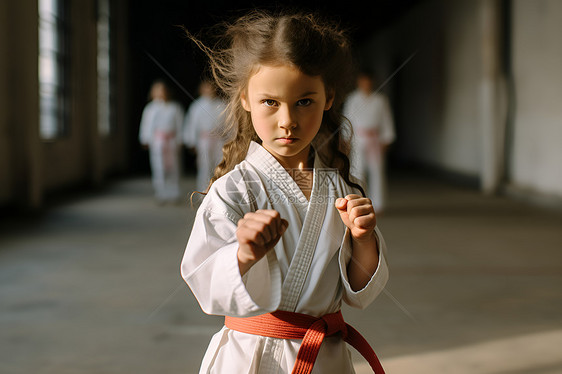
(145, 130)
(210, 268)
(190, 127)
(362, 298)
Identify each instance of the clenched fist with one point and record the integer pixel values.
(358, 214)
(257, 233)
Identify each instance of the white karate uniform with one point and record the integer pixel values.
(160, 129)
(373, 125)
(305, 273)
(201, 121)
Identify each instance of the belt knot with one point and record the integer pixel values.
(334, 323)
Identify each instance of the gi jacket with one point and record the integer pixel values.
(306, 272)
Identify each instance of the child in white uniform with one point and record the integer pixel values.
(160, 131)
(204, 117)
(370, 115)
(284, 234)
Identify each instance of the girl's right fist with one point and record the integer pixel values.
(257, 233)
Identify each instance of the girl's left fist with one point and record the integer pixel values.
(358, 214)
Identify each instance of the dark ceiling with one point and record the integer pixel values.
(154, 31)
(362, 18)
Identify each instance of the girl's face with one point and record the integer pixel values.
(286, 107)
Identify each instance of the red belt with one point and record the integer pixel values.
(312, 330)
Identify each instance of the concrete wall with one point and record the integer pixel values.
(459, 144)
(414, 56)
(537, 66)
(29, 167)
(450, 99)
(435, 94)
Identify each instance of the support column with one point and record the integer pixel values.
(23, 83)
(84, 76)
(492, 98)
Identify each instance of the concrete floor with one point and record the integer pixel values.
(93, 286)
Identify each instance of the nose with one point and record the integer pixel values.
(286, 119)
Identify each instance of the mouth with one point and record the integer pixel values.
(287, 140)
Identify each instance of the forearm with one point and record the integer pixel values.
(363, 263)
(244, 263)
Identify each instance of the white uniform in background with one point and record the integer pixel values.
(373, 125)
(205, 114)
(306, 272)
(160, 129)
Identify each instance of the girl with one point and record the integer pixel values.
(283, 234)
(160, 131)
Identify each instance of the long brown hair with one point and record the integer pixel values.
(315, 46)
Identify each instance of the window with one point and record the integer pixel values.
(105, 108)
(52, 79)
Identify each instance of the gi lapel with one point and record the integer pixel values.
(314, 212)
(302, 259)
